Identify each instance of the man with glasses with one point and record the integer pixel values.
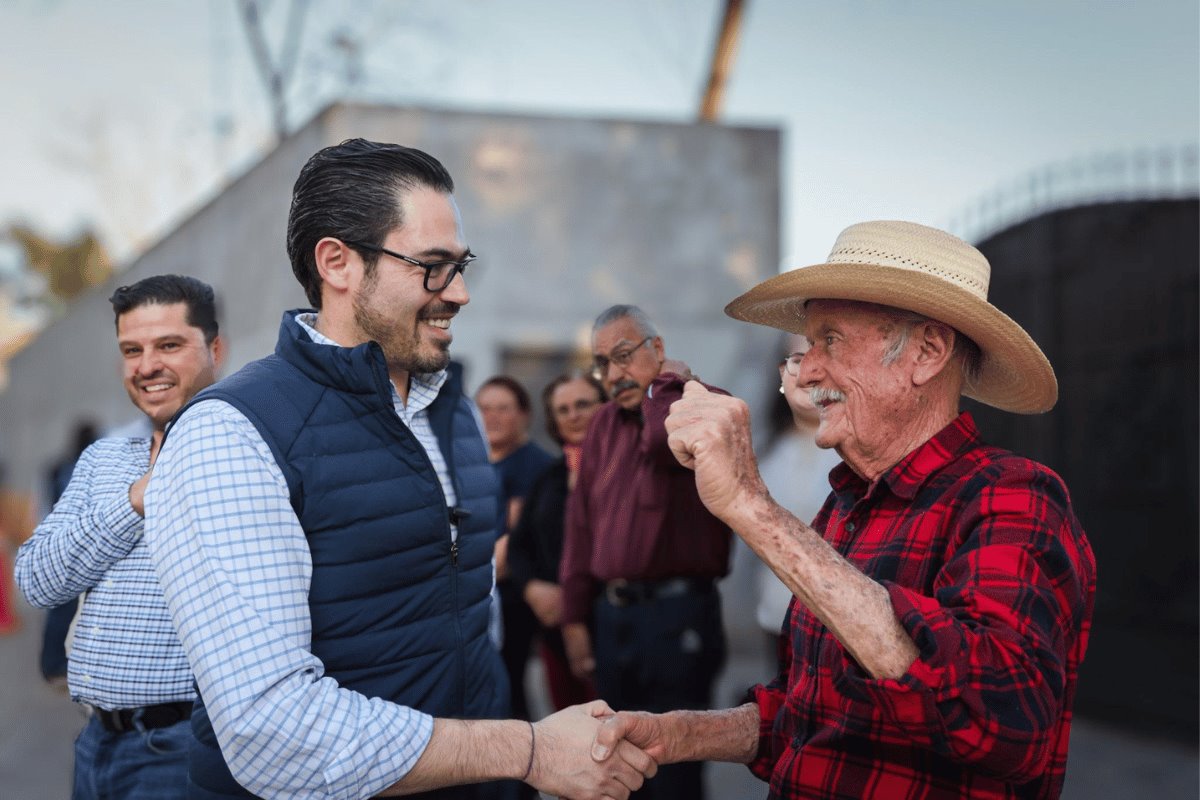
(322, 523)
(641, 554)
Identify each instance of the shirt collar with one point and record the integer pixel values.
(910, 473)
(431, 381)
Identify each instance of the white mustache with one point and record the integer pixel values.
(819, 395)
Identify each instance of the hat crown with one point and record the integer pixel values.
(908, 246)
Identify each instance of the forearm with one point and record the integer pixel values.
(469, 751)
(855, 608)
(74, 547)
(726, 735)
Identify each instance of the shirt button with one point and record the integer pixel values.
(95, 629)
(850, 526)
(109, 583)
(810, 669)
(87, 678)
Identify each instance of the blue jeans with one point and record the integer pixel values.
(131, 765)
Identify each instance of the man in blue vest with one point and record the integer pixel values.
(322, 523)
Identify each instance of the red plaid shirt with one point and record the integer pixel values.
(990, 573)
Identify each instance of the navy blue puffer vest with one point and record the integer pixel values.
(398, 611)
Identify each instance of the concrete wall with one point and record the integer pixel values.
(568, 216)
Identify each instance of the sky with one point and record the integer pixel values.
(125, 115)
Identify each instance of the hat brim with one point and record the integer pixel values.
(1015, 375)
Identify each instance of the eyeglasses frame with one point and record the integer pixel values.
(599, 370)
(457, 267)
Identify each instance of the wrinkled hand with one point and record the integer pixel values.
(639, 728)
(563, 765)
(578, 644)
(545, 598)
(710, 433)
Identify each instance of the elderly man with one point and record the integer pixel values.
(944, 593)
(641, 555)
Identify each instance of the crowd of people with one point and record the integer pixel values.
(324, 574)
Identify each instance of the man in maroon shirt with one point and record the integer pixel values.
(640, 551)
(944, 593)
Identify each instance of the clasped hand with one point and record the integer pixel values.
(561, 766)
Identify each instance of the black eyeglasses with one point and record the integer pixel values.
(619, 357)
(438, 274)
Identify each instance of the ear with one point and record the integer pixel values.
(335, 264)
(217, 350)
(935, 346)
(659, 352)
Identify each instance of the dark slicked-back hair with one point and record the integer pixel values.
(351, 191)
(165, 290)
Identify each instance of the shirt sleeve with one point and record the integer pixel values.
(87, 532)
(235, 568)
(994, 640)
(656, 406)
(770, 698)
(575, 568)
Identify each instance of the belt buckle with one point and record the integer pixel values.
(612, 591)
(135, 719)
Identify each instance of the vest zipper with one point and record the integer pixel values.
(454, 553)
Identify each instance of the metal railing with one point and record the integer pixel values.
(1145, 174)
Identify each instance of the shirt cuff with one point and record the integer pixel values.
(769, 703)
(910, 700)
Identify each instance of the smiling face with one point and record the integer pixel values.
(627, 383)
(391, 306)
(166, 360)
(864, 406)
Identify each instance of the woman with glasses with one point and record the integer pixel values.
(535, 545)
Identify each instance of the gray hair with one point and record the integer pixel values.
(966, 352)
(614, 313)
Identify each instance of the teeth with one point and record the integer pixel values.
(444, 324)
(158, 387)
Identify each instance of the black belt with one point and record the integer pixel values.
(620, 592)
(145, 718)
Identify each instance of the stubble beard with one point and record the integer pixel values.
(401, 351)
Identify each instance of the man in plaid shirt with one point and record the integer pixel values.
(944, 593)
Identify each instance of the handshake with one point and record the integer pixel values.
(590, 752)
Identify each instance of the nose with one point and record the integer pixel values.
(456, 291)
(809, 373)
(148, 363)
(608, 372)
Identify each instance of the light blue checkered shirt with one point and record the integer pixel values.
(125, 652)
(235, 567)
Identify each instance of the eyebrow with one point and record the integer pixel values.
(443, 254)
(170, 337)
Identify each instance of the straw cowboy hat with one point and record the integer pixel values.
(926, 271)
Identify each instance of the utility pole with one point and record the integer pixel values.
(275, 76)
(722, 60)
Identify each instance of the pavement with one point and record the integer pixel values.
(38, 725)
